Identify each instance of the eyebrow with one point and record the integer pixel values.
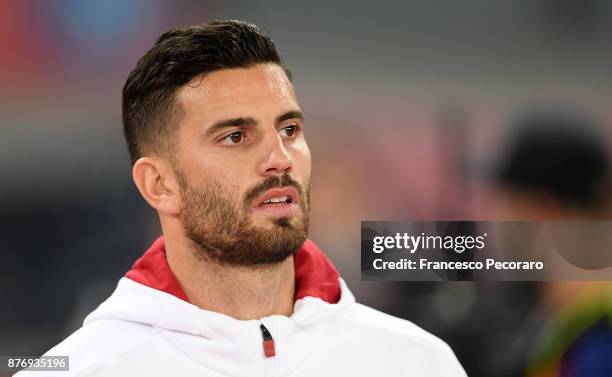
(249, 122)
(295, 114)
(229, 123)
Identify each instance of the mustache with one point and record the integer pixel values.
(273, 182)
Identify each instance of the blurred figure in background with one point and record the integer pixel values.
(557, 167)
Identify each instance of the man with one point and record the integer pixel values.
(233, 288)
(557, 166)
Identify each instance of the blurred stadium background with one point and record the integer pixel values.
(407, 105)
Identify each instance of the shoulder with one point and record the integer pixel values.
(94, 344)
(400, 339)
(370, 319)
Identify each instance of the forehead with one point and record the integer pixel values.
(237, 92)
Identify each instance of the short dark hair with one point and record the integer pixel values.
(562, 152)
(150, 111)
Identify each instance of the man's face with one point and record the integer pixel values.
(243, 166)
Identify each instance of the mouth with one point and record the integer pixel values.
(281, 202)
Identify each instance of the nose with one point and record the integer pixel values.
(275, 158)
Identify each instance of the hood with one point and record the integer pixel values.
(150, 294)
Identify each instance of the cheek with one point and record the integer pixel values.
(223, 169)
(231, 174)
(302, 162)
(204, 164)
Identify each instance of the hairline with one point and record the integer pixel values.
(168, 120)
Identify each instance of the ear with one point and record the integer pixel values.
(155, 179)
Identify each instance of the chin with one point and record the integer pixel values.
(272, 222)
(283, 222)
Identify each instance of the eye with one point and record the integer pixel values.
(290, 130)
(234, 138)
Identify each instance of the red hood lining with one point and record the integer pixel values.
(315, 275)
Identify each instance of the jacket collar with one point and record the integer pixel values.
(315, 275)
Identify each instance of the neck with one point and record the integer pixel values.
(240, 292)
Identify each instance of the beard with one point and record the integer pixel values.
(222, 231)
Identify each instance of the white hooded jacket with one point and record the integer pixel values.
(147, 327)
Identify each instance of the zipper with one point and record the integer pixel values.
(268, 342)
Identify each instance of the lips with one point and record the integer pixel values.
(281, 202)
(287, 195)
